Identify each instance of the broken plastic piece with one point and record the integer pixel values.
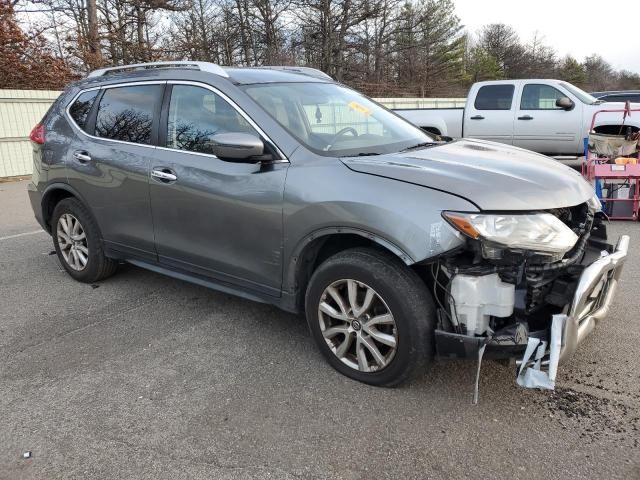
(26, 455)
(530, 374)
(476, 393)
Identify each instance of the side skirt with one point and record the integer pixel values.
(285, 302)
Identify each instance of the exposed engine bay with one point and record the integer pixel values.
(493, 298)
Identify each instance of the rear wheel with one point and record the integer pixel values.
(371, 316)
(77, 241)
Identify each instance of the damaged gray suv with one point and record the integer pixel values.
(281, 186)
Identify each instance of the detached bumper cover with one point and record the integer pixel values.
(594, 293)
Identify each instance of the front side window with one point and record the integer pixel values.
(540, 97)
(196, 114)
(333, 120)
(126, 113)
(80, 109)
(494, 97)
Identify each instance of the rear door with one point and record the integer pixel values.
(541, 126)
(490, 116)
(215, 217)
(110, 158)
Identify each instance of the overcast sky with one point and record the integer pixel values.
(575, 27)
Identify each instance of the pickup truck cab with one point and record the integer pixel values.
(546, 116)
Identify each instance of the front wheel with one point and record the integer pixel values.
(371, 316)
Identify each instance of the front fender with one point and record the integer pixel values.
(327, 198)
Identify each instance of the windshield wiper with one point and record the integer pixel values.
(361, 154)
(422, 145)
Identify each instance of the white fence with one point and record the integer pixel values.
(20, 110)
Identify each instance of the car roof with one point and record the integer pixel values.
(236, 75)
(248, 75)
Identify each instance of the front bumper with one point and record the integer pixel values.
(590, 302)
(595, 291)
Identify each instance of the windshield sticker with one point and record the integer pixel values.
(360, 108)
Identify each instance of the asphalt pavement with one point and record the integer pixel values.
(146, 377)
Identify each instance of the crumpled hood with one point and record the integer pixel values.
(491, 175)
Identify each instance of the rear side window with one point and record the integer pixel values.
(126, 113)
(80, 109)
(494, 97)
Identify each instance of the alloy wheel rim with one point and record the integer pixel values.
(358, 325)
(72, 241)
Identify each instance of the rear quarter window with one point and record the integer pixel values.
(127, 113)
(494, 97)
(80, 108)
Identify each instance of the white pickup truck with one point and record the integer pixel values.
(546, 116)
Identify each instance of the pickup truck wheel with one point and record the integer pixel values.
(77, 241)
(371, 316)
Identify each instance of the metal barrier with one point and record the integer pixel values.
(20, 110)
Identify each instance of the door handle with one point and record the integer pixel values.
(476, 117)
(525, 117)
(82, 156)
(165, 175)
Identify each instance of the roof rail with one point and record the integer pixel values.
(202, 66)
(308, 71)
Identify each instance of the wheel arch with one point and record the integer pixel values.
(52, 195)
(432, 130)
(321, 244)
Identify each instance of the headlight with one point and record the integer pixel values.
(539, 232)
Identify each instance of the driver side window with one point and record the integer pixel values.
(540, 97)
(196, 114)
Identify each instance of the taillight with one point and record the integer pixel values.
(37, 134)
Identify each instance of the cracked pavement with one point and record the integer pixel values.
(147, 377)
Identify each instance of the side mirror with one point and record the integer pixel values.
(235, 146)
(564, 103)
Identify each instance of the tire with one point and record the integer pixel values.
(397, 289)
(97, 266)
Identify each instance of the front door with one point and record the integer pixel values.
(541, 126)
(214, 217)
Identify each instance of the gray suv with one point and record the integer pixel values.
(281, 186)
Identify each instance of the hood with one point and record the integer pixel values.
(491, 175)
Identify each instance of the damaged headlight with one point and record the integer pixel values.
(539, 232)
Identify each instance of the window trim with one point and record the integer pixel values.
(158, 127)
(90, 113)
(540, 109)
(513, 94)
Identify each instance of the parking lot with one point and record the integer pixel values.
(143, 376)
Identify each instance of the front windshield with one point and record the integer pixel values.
(336, 121)
(583, 96)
